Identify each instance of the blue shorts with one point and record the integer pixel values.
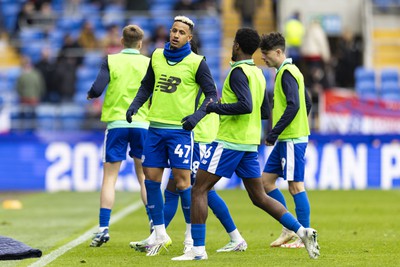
(199, 151)
(116, 141)
(287, 159)
(224, 162)
(166, 148)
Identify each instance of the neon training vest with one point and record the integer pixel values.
(175, 88)
(126, 73)
(299, 126)
(245, 128)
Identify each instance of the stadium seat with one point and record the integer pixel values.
(10, 11)
(72, 116)
(46, 116)
(390, 91)
(93, 60)
(363, 74)
(389, 75)
(366, 90)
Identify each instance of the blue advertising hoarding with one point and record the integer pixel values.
(72, 161)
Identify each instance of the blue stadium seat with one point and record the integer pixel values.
(389, 75)
(72, 116)
(86, 73)
(93, 59)
(366, 90)
(46, 116)
(364, 74)
(10, 11)
(390, 91)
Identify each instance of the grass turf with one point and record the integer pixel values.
(356, 228)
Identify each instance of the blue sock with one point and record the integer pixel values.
(186, 200)
(302, 208)
(148, 212)
(278, 196)
(155, 201)
(104, 217)
(199, 234)
(218, 206)
(170, 206)
(290, 222)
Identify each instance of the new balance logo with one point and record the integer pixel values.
(186, 161)
(168, 85)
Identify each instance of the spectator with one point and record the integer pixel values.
(247, 10)
(30, 88)
(316, 53)
(294, 33)
(24, 17)
(348, 55)
(46, 67)
(111, 43)
(72, 50)
(65, 75)
(46, 18)
(87, 38)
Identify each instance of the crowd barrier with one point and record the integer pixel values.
(72, 161)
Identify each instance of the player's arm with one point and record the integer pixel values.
(207, 85)
(143, 94)
(102, 79)
(240, 86)
(265, 109)
(291, 91)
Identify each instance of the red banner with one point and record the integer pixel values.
(341, 111)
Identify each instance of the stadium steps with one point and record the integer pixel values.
(386, 47)
(263, 22)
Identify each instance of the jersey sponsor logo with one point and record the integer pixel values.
(168, 85)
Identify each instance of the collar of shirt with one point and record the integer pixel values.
(286, 61)
(130, 51)
(246, 61)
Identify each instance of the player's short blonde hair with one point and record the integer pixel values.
(185, 20)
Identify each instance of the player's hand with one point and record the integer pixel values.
(210, 106)
(129, 113)
(270, 140)
(88, 97)
(188, 123)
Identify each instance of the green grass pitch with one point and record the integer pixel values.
(356, 228)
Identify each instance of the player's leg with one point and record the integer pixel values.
(294, 153)
(199, 212)
(171, 198)
(273, 170)
(221, 211)
(215, 164)
(137, 137)
(279, 212)
(248, 169)
(154, 161)
(116, 143)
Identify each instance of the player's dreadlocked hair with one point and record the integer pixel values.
(272, 41)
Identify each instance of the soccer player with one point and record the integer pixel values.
(244, 103)
(290, 133)
(122, 72)
(204, 133)
(173, 79)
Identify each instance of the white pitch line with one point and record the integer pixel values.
(60, 251)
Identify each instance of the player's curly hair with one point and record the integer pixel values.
(272, 41)
(248, 40)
